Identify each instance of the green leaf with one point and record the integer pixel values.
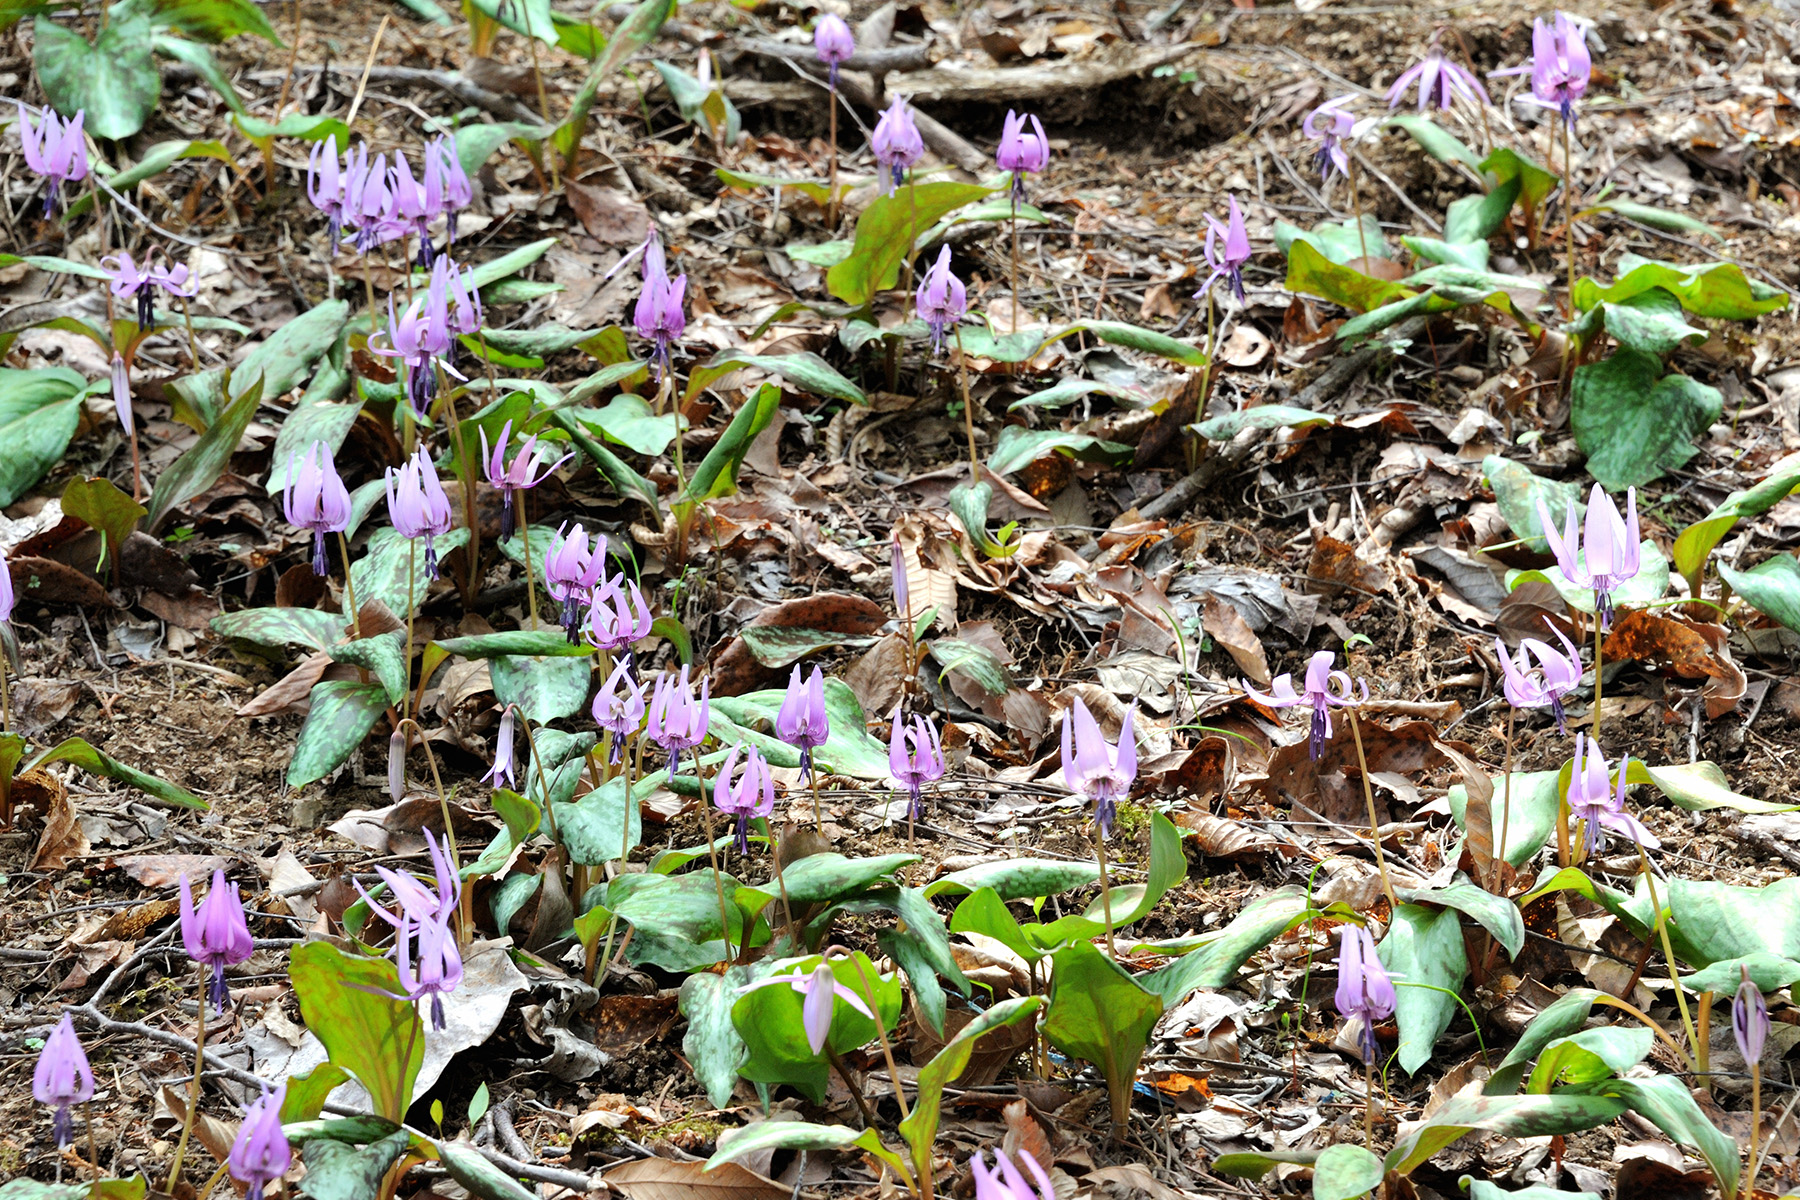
(1018, 447)
(544, 643)
(675, 918)
(1474, 219)
(214, 20)
(475, 144)
(1423, 946)
(1254, 1164)
(920, 1127)
(1215, 963)
(510, 263)
(801, 1135)
(783, 645)
(626, 482)
(1698, 786)
(1769, 972)
(850, 750)
(99, 1189)
(1017, 878)
(1771, 586)
(468, 1167)
(770, 1023)
(200, 466)
(200, 57)
(886, 233)
(317, 421)
(830, 877)
(307, 127)
(1634, 423)
(819, 193)
(629, 421)
(1535, 799)
(1507, 165)
(1574, 879)
(1099, 1013)
(382, 572)
(56, 266)
(970, 504)
(711, 1044)
(1666, 1102)
(1468, 255)
(1435, 140)
(115, 80)
(545, 689)
(1136, 337)
(1656, 218)
(154, 161)
(353, 1131)
(382, 656)
(39, 413)
(1563, 1016)
(342, 714)
(802, 369)
(1311, 273)
(717, 473)
(703, 104)
(1518, 492)
(1338, 241)
(1508, 1116)
(1264, 416)
(1496, 914)
(1696, 542)
(514, 892)
(278, 627)
(824, 254)
(1651, 322)
(1590, 1055)
(632, 34)
(337, 1171)
(1346, 1171)
(594, 828)
(1646, 587)
(1481, 1189)
(528, 17)
(1721, 921)
(367, 1033)
(1060, 395)
(983, 912)
(307, 1093)
(978, 664)
(1717, 290)
(84, 755)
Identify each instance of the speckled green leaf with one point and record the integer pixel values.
(384, 657)
(342, 714)
(381, 573)
(277, 627)
(546, 689)
(1017, 878)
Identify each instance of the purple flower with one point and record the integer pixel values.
(619, 707)
(440, 966)
(216, 936)
(753, 795)
(176, 280)
(446, 183)
(571, 570)
(618, 617)
(1005, 1182)
(327, 184)
(260, 1155)
(130, 283)
(1749, 1019)
(1229, 265)
(520, 475)
(659, 315)
(53, 150)
(416, 902)
(1441, 84)
(461, 300)
(315, 499)
(1364, 988)
(420, 337)
(413, 207)
(121, 390)
(833, 43)
(1601, 807)
(802, 721)
(1021, 152)
(1560, 64)
(504, 772)
(417, 505)
(822, 992)
(896, 144)
(678, 722)
(941, 299)
(1554, 677)
(62, 1079)
(1101, 772)
(1330, 126)
(1325, 689)
(902, 600)
(368, 202)
(915, 758)
(7, 596)
(1607, 555)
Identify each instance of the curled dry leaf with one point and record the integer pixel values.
(63, 840)
(1217, 837)
(1688, 649)
(1222, 623)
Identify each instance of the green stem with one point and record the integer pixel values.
(1662, 932)
(1749, 1188)
(1105, 892)
(349, 585)
(193, 1105)
(1500, 864)
(712, 851)
(525, 540)
(1362, 763)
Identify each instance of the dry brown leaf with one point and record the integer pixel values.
(1220, 837)
(611, 216)
(1023, 1133)
(1134, 1179)
(879, 677)
(1246, 347)
(624, 1022)
(214, 1134)
(1222, 623)
(662, 1179)
(63, 839)
(737, 670)
(927, 586)
(165, 870)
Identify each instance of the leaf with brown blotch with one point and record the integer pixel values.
(1220, 837)
(662, 1179)
(736, 670)
(1688, 649)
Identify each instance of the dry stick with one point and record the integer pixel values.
(363, 83)
(187, 318)
(1374, 826)
(287, 83)
(712, 851)
(187, 1124)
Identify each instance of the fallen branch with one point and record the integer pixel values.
(913, 57)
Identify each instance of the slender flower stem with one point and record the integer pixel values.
(1703, 1047)
(1662, 932)
(5, 696)
(1565, 374)
(193, 1105)
(812, 777)
(712, 852)
(1749, 1188)
(1105, 892)
(406, 699)
(349, 585)
(1362, 763)
(465, 909)
(1014, 323)
(1500, 863)
(1362, 238)
(1369, 1103)
(212, 1184)
(193, 346)
(831, 197)
(1598, 660)
(912, 233)
(881, 1036)
(962, 378)
(525, 541)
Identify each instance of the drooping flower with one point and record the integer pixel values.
(1330, 126)
(752, 795)
(316, 499)
(941, 299)
(802, 721)
(1325, 689)
(618, 617)
(1227, 264)
(1005, 1182)
(678, 722)
(619, 707)
(1560, 64)
(216, 935)
(1599, 806)
(504, 772)
(1364, 988)
(327, 184)
(822, 991)
(1441, 84)
(1023, 152)
(440, 966)
(896, 144)
(446, 183)
(121, 390)
(62, 1079)
(176, 280)
(571, 571)
(1101, 772)
(1606, 555)
(521, 474)
(915, 758)
(413, 207)
(261, 1154)
(369, 202)
(413, 900)
(420, 338)
(129, 282)
(54, 151)
(417, 505)
(1749, 1019)
(8, 598)
(660, 315)
(1555, 676)
(902, 598)
(833, 43)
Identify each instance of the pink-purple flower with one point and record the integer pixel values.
(1022, 151)
(1004, 1181)
(1560, 64)
(129, 282)
(1227, 263)
(1606, 555)
(413, 901)
(62, 1079)
(618, 617)
(1749, 1018)
(915, 758)
(417, 505)
(504, 772)
(571, 571)
(1330, 125)
(1440, 82)
(1364, 988)
(896, 144)
(328, 183)
(8, 598)
(260, 1154)
(751, 795)
(121, 391)
(316, 499)
(660, 315)
(431, 944)
(369, 202)
(619, 707)
(1326, 689)
(941, 300)
(802, 721)
(521, 474)
(678, 722)
(1555, 676)
(833, 43)
(1100, 771)
(822, 992)
(55, 151)
(1600, 806)
(215, 935)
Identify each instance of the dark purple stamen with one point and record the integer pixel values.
(321, 563)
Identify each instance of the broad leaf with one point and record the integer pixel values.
(886, 233)
(1590, 1055)
(1099, 1013)
(1508, 1116)
(769, 1021)
(1646, 587)
(278, 627)
(311, 422)
(802, 369)
(1498, 915)
(1017, 878)
(1424, 947)
(1311, 273)
(1772, 586)
(717, 473)
(347, 1002)
(383, 656)
(1696, 542)
(1435, 140)
(1718, 290)
(1518, 493)
(1018, 447)
(1216, 961)
(1346, 1171)
(339, 1171)
(115, 80)
(801, 1135)
(1339, 241)
(86, 756)
(471, 1169)
(392, 569)
(39, 412)
(920, 1127)
(200, 466)
(1563, 1016)
(633, 34)
(342, 714)
(602, 826)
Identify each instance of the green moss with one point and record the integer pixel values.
(1132, 820)
(693, 1129)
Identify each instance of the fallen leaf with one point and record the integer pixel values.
(611, 216)
(625, 1022)
(1222, 623)
(166, 870)
(1218, 837)
(736, 670)
(1246, 347)
(1134, 1179)
(661, 1179)
(1023, 1133)
(63, 839)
